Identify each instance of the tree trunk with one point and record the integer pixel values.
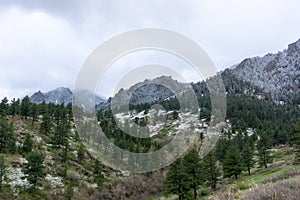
(195, 191)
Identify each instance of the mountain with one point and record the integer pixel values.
(146, 92)
(150, 91)
(273, 76)
(277, 74)
(60, 95)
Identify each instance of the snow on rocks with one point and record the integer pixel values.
(17, 179)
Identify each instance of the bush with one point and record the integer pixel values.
(287, 173)
(134, 188)
(284, 190)
(204, 192)
(242, 186)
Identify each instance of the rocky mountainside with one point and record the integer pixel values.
(58, 96)
(150, 91)
(273, 76)
(277, 74)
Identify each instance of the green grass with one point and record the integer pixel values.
(258, 178)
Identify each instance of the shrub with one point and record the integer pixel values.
(288, 189)
(242, 186)
(204, 192)
(287, 173)
(134, 188)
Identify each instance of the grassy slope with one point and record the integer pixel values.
(280, 177)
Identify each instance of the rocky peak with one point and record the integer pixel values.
(150, 91)
(294, 47)
(59, 95)
(275, 73)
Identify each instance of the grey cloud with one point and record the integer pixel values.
(44, 42)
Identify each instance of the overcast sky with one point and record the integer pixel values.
(43, 43)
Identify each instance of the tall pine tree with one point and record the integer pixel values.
(263, 146)
(247, 157)
(34, 169)
(177, 180)
(195, 170)
(232, 164)
(296, 142)
(212, 171)
(25, 107)
(7, 137)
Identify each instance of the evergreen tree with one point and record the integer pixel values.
(69, 111)
(247, 157)
(65, 152)
(233, 165)
(34, 169)
(177, 180)
(98, 176)
(42, 108)
(263, 146)
(212, 171)
(46, 124)
(7, 138)
(69, 193)
(195, 170)
(4, 107)
(3, 170)
(14, 107)
(296, 143)
(33, 112)
(264, 156)
(25, 107)
(60, 137)
(221, 147)
(80, 153)
(27, 145)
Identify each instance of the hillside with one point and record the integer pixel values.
(275, 73)
(68, 168)
(42, 155)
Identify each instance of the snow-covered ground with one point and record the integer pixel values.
(158, 119)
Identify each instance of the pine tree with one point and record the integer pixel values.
(247, 157)
(42, 108)
(33, 112)
(232, 164)
(80, 154)
(65, 152)
(69, 193)
(3, 170)
(263, 146)
(7, 137)
(98, 176)
(4, 107)
(60, 136)
(46, 124)
(177, 180)
(27, 145)
(212, 171)
(69, 111)
(296, 143)
(195, 170)
(34, 169)
(25, 107)
(14, 108)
